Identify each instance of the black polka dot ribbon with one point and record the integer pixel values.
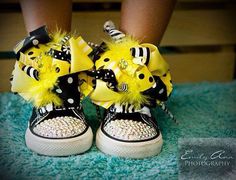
(157, 92)
(106, 75)
(36, 37)
(63, 55)
(68, 90)
(97, 51)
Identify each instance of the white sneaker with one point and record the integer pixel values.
(59, 132)
(129, 133)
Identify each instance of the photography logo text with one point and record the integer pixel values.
(207, 157)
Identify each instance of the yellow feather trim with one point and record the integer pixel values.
(40, 92)
(133, 95)
(116, 53)
(118, 58)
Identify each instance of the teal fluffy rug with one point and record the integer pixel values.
(203, 110)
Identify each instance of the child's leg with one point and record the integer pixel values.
(47, 75)
(129, 129)
(43, 12)
(146, 20)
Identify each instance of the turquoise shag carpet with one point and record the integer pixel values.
(202, 109)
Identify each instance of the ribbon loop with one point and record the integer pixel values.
(141, 55)
(36, 37)
(49, 73)
(68, 90)
(115, 34)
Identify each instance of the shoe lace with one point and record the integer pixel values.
(98, 113)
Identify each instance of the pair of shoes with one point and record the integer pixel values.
(55, 72)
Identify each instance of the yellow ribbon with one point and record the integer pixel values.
(136, 76)
(40, 92)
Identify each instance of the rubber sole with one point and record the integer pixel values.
(59, 147)
(126, 149)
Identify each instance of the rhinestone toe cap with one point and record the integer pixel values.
(60, 127)
(129, 130)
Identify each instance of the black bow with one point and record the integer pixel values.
(97, 51)
(36, 37)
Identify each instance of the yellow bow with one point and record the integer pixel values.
(135, 76)
(39, 92)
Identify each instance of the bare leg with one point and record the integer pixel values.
(146, 19)
(54, 14)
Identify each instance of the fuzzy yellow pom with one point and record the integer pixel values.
(41, 90)
(133, 95)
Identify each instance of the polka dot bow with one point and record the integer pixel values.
(135, 73)
(52, 72)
